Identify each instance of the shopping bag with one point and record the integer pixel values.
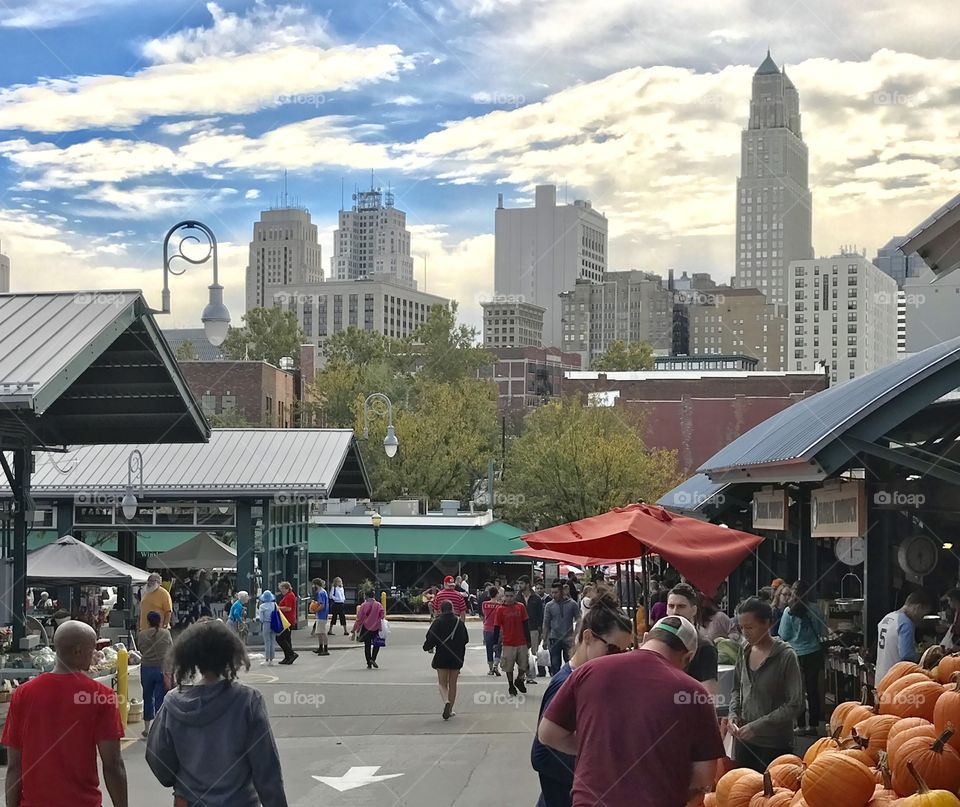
(384, 631)
(278, 622)
(543, 658)
(379, 641)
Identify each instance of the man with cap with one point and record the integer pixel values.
(450, 593)
(155, 598)
(669, 756)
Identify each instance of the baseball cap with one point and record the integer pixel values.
(448, 579)
(685, 632)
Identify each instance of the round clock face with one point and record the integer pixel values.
(851, 551)
(918, 555)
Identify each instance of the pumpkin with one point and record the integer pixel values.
(947, 711)
(710, 800)
(916, 700)
(884, 793)
(786, 759)
(840, 714)
(824, 744)
(787, 775)
(936, 762)
(771, 796)
(729, 779)
(874, 732)
(896, 672)
(798, 801)
(744, 789)
(948, 667)
(925, 797)
(856, 748)
(896, 742)
(905, 723)
(892, 704)
(931, 659)
(837, 779)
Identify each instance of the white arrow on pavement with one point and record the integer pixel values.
(356, 777)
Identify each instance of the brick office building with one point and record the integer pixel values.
(260, 393)
(695, 413)
(528, 377)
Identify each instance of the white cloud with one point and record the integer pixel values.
(253, 193)
(144, 202)
(52, 13)
(404, 100)
(187, 126)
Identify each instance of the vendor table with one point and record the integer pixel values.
(724, 689)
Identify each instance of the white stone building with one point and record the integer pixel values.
(512, 323)
(4, 274)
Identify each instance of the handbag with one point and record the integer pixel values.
(379, 641)
(278, 622)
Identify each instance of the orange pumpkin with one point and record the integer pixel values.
(874, 732)
(896, 742)
(884, 793)
(786, 775)
(905, 723)
(916, 700)
(786, 759)
(837, 779)
(947, 711)
(937, 763)
(895, 673)
(710, 800)
(854, 747)
(948, 667)
(888, 700)
(839, 717)
(731, 778)
(925, 797)
(743, 790)
(771, 796)
(821, 746)
(798, 801)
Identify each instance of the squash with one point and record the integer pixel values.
(947, 711)
(855, 748)
(786, 759)
(824, 744)
(896, 742)
(798, 801)
(892, 704)
(786, 775)
(771, 796)
(948, 667)
(743, 790)
(896, 672)
(925, 797)
(884, 794)
(855, 713)
(729, 779)
(710, 800)
(837, 779)
(874, 732)
(915, 700)
(937, 763)
(841, 710)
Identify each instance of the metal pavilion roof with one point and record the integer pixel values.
(89, 367)
(235, 462)
(937, 239)
(805, 442)
(695, 495)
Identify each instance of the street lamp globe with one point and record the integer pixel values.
(375, 519)
(215, 317)
(390, 442)
(128, 504)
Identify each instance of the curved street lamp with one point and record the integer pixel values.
(215, 317)
(128, 504)
(390, 442)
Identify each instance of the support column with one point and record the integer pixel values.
(127, 546)
(878, 593)
(64, 517)
(807, 568)
(22, 467)
(245, 572)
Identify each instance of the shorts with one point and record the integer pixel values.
(515, 654)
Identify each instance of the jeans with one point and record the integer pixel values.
(285, 640)
(491, 647)
(269, 645)
(811, 665)
(559, 653)
(151, 679)
(370, 650)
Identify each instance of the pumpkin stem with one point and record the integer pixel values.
(884, 767)
(836, 734)
(941, 741)
(767, 784)
(921, 785)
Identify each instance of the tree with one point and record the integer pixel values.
(572, 462)
(229, 420)
(624, 356)
(268, 334)
(442, 350)
(186, 351)
(448, 435)
(356, 346)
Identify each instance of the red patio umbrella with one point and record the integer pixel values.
(703, 553)
(567, 557)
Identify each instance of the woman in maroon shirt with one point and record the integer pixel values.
(288, 607)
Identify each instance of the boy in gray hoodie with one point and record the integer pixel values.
(212, 742)
(767, 691)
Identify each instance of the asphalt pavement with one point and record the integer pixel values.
(335, 719)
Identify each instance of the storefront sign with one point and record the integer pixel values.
(838, 511)
(770, 509)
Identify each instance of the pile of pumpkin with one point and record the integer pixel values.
(904, 751)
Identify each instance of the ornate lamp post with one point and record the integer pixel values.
(375, 519)
(390, 442)
(129, 502)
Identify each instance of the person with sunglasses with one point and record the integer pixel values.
(604, 630)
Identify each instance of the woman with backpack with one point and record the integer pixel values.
(803, 627)
(448, 637)
(367, 627)
(268, 605)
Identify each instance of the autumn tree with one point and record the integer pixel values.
(268, 334)
(574, 461)
(186, 351)
(441, 349)
(624, 356)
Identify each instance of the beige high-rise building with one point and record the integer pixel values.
(774, 217)
(627, 306)
(284, 252)
(512, 323)
(373, 241)
(734, 322)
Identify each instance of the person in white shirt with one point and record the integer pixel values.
(896, 632)
(338, 606)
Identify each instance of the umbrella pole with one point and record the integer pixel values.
(646, 587)
(619, 583)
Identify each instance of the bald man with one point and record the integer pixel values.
(57, 723)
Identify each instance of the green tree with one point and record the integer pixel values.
(442, 350)
(186, 351)
(624, 356)
(268, 334)
(356, 346)
(574, 461)
(229, 420)
(448, 435)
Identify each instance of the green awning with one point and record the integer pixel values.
(146, 541)
(494, 541)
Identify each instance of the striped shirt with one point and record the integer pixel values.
(454, 596)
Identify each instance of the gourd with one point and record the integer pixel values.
(937, 763)
(836, 779)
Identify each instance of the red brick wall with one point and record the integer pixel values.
(251, 382)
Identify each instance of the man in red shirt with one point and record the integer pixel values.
(450, 593)
(510, 621)
(645, 734)
(56, 725)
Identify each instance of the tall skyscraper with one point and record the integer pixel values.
(773, 197)
(4, 273)
(373, 242)
(284, 252)
(542, 251)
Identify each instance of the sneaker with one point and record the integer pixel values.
(491, 671)
(532, 680)
(512, 691)
(521, 686)
(447, 711)
(295, 657)
(496, 671)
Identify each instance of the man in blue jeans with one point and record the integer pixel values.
(558, 619)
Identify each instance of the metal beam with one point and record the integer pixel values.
(21, 473)
(921, 466)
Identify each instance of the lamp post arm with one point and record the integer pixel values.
(168, 259)
(375, 396)
(134, 466)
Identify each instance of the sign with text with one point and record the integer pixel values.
(770, 511)
(838, 511)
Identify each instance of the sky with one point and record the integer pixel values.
(120, 118)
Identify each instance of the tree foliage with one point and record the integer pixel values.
(186, 351)
(572, 462)
(230, 420)
(268, 334)
(443, 350)
(356, 346)
(625, 356)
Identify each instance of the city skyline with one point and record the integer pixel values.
(101, 150)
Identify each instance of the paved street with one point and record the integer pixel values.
(331, 714)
